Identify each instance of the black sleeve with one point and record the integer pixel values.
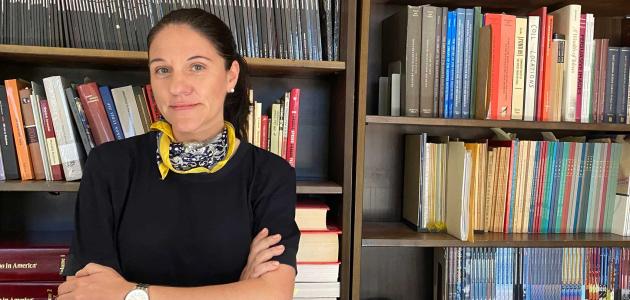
(274, 207)
(93, 239)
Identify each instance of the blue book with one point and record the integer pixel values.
(544, 222)
(453, 40)
(468, 53)
(578, 192)
(112, 115)
(557, 169)
(459, 63)
(447, 63)
(532, 205)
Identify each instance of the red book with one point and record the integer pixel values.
(40, 263)
(264, 132)
(29, 290)
(545, 114)
(51, 141)
(543, 45)
(19, 134)
(567, 188)
(502, 65)
(30, 130)
(153, 109)
(94, 109)
(294, 108)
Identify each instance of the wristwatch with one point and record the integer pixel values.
(141, 292)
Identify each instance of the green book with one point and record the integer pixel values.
(566, 152)
(478, 20)
(547, 185)
(595, 188)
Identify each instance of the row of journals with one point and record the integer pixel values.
(276, 131)
(514, 186)
(532, 273)
(465, 64)
(49, 130)
(32, 270)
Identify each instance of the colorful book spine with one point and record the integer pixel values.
(112, 114)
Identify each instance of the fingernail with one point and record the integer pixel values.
(277, 236)
(281, 247)
(275, 263)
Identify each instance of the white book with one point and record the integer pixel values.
(531, 73)
(317, 272)
(274, 146)
(70, 152)
(317, 289)
(620, 222)
(250, 118)
(587, 80)
(124, 112)
(518, 80)
(567, 21)
(257, 120)
(134, 110)
(458, 191)
(285, 123)
(628, 107)
(574, 184)
(38, 91)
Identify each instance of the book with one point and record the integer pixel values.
(54, 160)
(80, 120)
(503, 33)
(94, 109)
(311, 215)
(30, 128)
(531, 72)
(29, 290)
(317, 272)
(7, 145)
(13, 86)
(32, 263)
(319, 246)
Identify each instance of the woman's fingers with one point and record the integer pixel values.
(268, 254)
(261, 269)
(263, 244)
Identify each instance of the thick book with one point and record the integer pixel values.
(72, 157)
(503, 32)
(580, 78)
(458, 208)
(317, 290)
(319, 246)
(612, 77)
(54, 160)
(459, 62)
(310, 214)
(143, 109)
(32, 263)
(427, 57)
(588, 78)
(531, 73)
(29, 290)
(401, 32)
(7, 144)
(13, 86)
(467, 63)
(95, 112)
(112, 114)
(482, 83)
(155, 111)
(80, 120)
(37, 93)
(294, 113)
(317, 272)
(622, 85)
(518, 79)
(414, 160)
(30, 128)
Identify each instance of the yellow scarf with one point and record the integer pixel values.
(167, 138)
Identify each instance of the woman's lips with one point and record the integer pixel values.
(183, 106)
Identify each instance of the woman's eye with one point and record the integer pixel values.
(197, 67)
(161, 70)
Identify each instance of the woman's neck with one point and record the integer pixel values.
(204, 134)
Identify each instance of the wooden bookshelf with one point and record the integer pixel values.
(512, 124)
(395, 234)
(303, 187)
(112, 58)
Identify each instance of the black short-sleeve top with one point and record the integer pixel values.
(185, 230)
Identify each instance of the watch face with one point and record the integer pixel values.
(137, 294)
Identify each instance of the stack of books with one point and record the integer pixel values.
(318, 253)
(464, 64)
(31, 271)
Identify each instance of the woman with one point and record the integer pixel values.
(178, 208)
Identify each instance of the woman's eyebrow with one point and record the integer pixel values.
(155, 60)
(199, 56)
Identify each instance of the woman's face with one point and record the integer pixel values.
(189, 82)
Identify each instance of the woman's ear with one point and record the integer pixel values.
(232, 75)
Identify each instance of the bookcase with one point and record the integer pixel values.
(391, 260)
(43, 210)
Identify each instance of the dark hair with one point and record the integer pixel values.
(236, 105)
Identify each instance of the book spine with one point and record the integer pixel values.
(447, 66)
(604, 71)
(29, 290)
(518, 79)
(51, 141)
(40, 135)
(572, 33)
(502, 65)
(7, 144)
(411, 100)
(467, 64)
(442, 63)
(155, 112)
(531, 75)
(427, 57)
(23, 154)
(285, 124)
(612, 73)
(71, 156)
(477, 23)
(264, 132)
(94, 109)
(436, 61)
(80, 120)
(459, 63)
(32, 264)
(587, 78)
(30, 131)
(292, 141)
(112, 115)
(580, 75)
(622, 85)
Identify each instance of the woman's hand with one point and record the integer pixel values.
(260, 254)
(95, 282)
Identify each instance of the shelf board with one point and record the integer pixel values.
(303, 187)
(117, 58)
(394, 234)
(512, 124)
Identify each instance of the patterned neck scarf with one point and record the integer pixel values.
(194, 157)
